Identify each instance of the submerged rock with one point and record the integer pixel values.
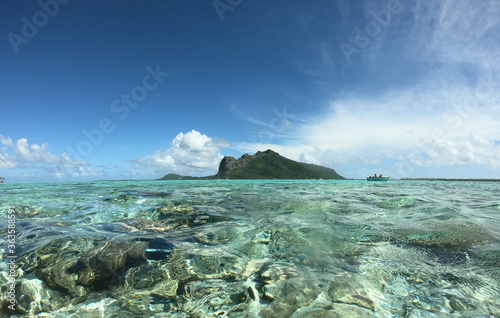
(347, 290)
(137, 225)
(187, 215)
(456, 236)
(24, 211)
(106, 307)
(123, 197)
(55, 260)
(287, 288)
(147, 288)
(33, 297)
(76, 264)
(98, 265)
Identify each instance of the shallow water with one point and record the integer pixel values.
(252, 249)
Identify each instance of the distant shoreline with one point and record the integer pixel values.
(213, 179)
(447, 179)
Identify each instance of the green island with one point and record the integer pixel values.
(264, 165)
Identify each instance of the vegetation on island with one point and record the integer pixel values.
(264, 165)
(174, 176)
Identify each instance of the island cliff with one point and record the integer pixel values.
(264, 165)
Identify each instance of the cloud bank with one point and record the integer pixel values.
(191, 153)
(37, 161)
(426, 128)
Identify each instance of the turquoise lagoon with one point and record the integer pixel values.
(224, 248)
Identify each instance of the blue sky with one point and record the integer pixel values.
(138, 89)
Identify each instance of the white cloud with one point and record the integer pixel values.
(76, 172)
(6, 141)
(23, 155)
(34, 153)
(433, 125)
(470, 150)
(192, 153)
(246, 117)
(309, 156)
(6, 162)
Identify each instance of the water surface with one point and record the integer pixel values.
(223, 248)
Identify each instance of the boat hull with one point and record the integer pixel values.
(377, 179)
